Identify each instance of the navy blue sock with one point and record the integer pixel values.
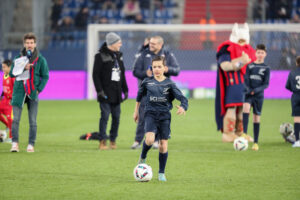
(145, 150)
(296, 130)
(256, 131)
(162, 162)
(245, 122)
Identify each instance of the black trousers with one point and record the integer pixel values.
(106, 110)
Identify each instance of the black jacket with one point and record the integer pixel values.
(102, 74)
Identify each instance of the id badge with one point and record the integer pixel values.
(115, 75)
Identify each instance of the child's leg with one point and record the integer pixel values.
(296, 127)
(246, 111)
(149, 140)
(256, 124)
(163, 155)
(4, 119)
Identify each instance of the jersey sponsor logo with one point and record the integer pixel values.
(262, 72)
(158, 99)
(148, 55)
(255, 77)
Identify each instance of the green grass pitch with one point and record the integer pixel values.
(200, 166)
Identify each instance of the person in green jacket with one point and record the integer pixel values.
(27, 91)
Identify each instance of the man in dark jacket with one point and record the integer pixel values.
(142, 70)
(110, 83)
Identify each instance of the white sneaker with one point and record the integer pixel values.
(30, 148)
(135, 145)
(155, 145)
(296, 144)
(14, 147)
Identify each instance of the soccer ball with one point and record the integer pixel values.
(240, 144)
(142, 173)
(286, 129)
(3, 135)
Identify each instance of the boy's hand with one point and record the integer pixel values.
(136, 116)
(180, 110)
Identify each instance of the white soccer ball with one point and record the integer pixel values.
(3, 135)
(240, 144)
(286, 129)
(142, 172)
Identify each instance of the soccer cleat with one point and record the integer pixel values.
(14, 147)
(136, 145)
(162, 177)
(155, 145)
(142, 161)
(296, 144)
(255, 147)
(247, 137)
(30, 148)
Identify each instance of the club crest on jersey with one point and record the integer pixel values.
(166, 90)
(261, 71)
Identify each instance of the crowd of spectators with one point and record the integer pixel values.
(282, 11)
(69, 18)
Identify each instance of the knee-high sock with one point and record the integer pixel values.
(296, 131)
(245, 122)
(162, 162)
(256, 131)
(145, 150)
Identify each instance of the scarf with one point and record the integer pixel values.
(29, 83)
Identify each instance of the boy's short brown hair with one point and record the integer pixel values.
(261, 47)
(29, 36)
(7, 62)
(159, 58)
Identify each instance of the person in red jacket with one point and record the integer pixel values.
(5, 107)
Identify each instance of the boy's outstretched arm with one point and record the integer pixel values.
(136, 112)
(183, 100)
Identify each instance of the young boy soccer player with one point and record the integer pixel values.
(256, 81)
(293, 84)
(160, 91)
(6, 96)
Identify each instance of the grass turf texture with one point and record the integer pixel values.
(199, 165)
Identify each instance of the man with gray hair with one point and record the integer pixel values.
(142, 69)
(110, 83)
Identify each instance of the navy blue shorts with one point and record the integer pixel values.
(295, 106)
(159, 123)
(256, 102)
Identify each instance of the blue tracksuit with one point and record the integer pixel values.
(293, 85)
(158, 103)
(256, 80)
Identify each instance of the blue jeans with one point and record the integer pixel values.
(32, 106)
(106, 109)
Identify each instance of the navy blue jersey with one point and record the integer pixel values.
(293, 85)
(257, 78)
(159, 95)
